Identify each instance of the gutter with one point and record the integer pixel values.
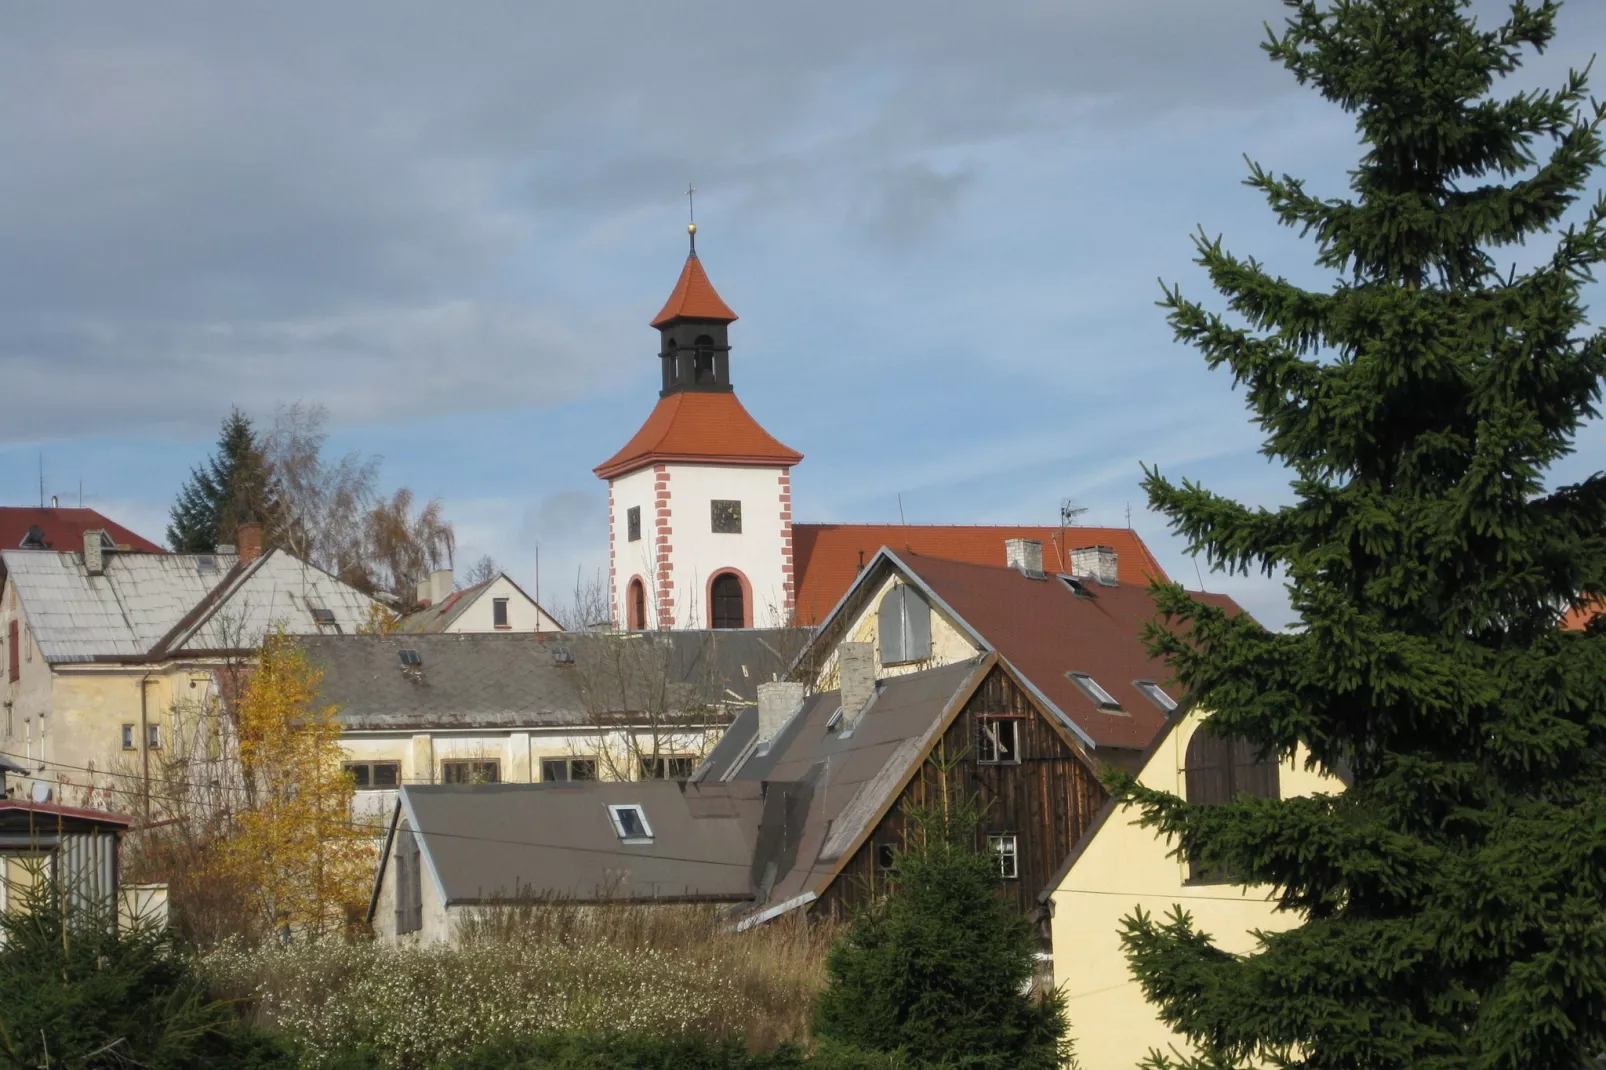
(776, 911)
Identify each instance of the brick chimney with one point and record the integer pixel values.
(855, 669)
(1025, 556)
(94, 552)
(249, 538)
(777, 701)
(1097, 562)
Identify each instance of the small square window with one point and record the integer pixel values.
(633, 523)
(1004, 848)
(727, 516)
(409, 658)
(128, 737)
(886, 857)
(1090, 687)
(359, 773)
(153, 736)
(998, 740)
(499, 613)
(630, 822)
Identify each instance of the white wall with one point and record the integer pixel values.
(25, 724)
(523, 615)
(696, 552)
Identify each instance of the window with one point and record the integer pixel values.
(729, 610)
(206, 563)
(409, 884)
(13, 652)
(633, 523)
(374, 774)
(999, 740)
(499, 613)
(153, 736)
(1155, 694)
(886, 857)
(128, 737)
(565, 769)
(1005, 849)
(726, 516)
(409, 658)
(630, 822)
(638, 606)
(1090, 687)
(324, 618)
(904, 626)
(834, 720)
(471, 772)
(673, 767)
(1216, 770)
(705, 359)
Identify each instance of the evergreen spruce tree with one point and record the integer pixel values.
(1453, 899)
(234, 485)
(934, 972)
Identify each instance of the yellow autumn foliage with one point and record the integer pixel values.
(293, 844)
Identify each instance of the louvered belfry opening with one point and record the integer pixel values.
(1216, 770)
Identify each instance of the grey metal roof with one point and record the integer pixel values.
(500, 840)
(125, 612)
(274, 591)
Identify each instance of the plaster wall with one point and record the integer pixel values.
(948, 642)
(1122, 868)
(25, 724)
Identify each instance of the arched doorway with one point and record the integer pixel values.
(636, 613)
(728, 603)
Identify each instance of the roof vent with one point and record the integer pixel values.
(1025, 556)
(1077, 587)
(562, 656)
(409, 658)
(205, 563)
(35, 539)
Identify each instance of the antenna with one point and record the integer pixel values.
(1129, 516)
(1069, 511)
(41, 479)
(901, 520)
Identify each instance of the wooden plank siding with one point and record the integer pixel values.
(1047, 799)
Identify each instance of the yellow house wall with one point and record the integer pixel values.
(1125, 867)
(948, 643)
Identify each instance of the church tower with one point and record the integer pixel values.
(700, 500)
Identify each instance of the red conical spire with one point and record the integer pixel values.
(694, 297)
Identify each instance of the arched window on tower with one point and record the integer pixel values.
(637, 611)
(728, 603)
(1217, 769)
(705, 359)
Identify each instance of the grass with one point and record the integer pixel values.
(525, 970)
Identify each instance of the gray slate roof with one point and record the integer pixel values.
(514, 680)
(494, 841)
(439, 617)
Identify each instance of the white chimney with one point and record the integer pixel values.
(1097, 562)
(1025, 556)
(440, 585)
(777, 701)
(94, 553)
(855, 669)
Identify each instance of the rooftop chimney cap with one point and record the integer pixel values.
(1100, 563)
(95, 552)
(1026, 557)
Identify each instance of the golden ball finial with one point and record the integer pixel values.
(691, 228)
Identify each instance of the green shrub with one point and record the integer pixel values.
(639, 1052)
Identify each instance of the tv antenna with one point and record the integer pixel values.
(1069, 511)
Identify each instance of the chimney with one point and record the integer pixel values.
(855, 669)
(249, 538)
(440, 586)
(1025, 556)
(1097, 562)
(777, 701)
(94, 552)
(423, 591)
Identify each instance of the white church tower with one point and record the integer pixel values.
(700, 500)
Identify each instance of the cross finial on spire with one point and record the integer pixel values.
(691, 216)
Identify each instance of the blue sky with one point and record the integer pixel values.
(943, 226)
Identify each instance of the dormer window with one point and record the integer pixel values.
(630, 824)
(34, 539)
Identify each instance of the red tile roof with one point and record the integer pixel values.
(828, 557)
(699, 427)
(24, 806)
(1577, 619)
(64, 528)
(1045, 631)
(693, 297)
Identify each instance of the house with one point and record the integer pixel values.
(1120, 867)
(110, 655)
(494, 605)
(700, 529)
(23, 527)
(451, 850)
(75, 847)
(536, 707)
(1578, 618)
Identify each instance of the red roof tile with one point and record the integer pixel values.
(699, 427)
(64, 528)
(828, 557)
(1578, 619)
(1045, 631)
(693, 297)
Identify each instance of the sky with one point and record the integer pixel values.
(944, 225)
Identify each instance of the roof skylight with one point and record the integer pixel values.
(630, 823)
(410, 658)
(1090, 687)
(1155, 694)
